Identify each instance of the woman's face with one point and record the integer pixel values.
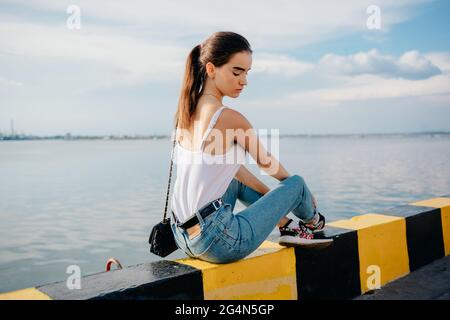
(231, 77)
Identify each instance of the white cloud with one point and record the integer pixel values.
(267, 24)
(410, 65)
(149, 40)
(10, 82)
(279, 65)
(377, 88)
(132, 60)
(440, 59)
(328, 89)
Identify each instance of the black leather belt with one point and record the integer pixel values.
(204, 212)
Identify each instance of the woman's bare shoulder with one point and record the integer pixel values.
(232, 118)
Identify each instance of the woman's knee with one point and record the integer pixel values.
(296, 182)
(296, 179)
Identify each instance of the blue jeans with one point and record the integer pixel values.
(226, 237)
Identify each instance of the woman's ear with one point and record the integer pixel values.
(210, 70)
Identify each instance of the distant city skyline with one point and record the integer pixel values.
(14, 134)
(318, 68)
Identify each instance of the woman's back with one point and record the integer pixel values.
(205, 167)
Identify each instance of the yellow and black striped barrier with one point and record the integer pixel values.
(368, 251)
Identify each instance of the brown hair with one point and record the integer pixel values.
(217, 49)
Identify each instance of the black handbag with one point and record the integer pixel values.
(161, 240)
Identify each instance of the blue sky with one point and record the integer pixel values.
(316, 69)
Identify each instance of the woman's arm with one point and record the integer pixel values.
(245, 135)
(247, 138)
(249, 179)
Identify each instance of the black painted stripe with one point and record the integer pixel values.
(156, 280)
(330, 273)
(423, 232)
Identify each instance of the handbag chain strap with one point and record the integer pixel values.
(170, 172)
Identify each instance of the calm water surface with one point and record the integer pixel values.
(82, 202)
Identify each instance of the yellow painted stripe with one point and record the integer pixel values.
(444, 205)
(25, 294)
(247, 279)
(382, 247)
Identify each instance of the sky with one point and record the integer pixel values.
(319, 67)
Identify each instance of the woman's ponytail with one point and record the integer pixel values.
(190, 90)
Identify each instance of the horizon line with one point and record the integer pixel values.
(135, 135)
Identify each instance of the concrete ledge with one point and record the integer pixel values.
(25, 294)
(424, 233)
(156, 280)
(442, 203)
(268, 273)
(381, 243)
(331, 273)
(397, 241)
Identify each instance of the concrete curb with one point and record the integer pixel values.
(368, 250)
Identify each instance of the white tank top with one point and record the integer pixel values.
(202, 177)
